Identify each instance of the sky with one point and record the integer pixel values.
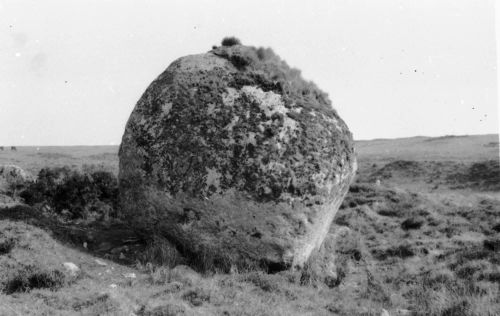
(72, 71)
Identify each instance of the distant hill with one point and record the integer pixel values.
(456, 148)
(419, 148)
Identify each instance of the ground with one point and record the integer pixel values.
(418, 234)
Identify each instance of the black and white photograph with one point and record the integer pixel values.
(241, 158)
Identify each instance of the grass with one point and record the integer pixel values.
(403, 246)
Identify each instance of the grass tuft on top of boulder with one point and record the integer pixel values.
(230, 41)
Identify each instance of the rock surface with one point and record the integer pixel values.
(12, 177)
(235, 158)
(72, 268)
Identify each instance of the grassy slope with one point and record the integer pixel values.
(405, 245)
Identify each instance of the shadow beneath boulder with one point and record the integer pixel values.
(113, 240)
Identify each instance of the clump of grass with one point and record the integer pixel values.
(469, 269)
(491, 276)
(360, 194)
(163, 310)
(496, 227)
(401, 251)
(474, 253)
(32, 277)
(6, 245)
(185, 275)
(160, 251)
(389, 212)
(412, 223)
(264, 281)
(158, 275)
(92, 301)
(492, 244)
(350, 247)
(196, 297)
(375, 290)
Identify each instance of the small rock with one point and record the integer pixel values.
(101, 263)
(122, 256)
(129, 275)
(113, 286)
(384, 313)
(85, 245)
(72, 268)
(13, 177)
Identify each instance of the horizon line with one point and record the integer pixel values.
(356, 140)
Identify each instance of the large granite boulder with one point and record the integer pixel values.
(235, 158)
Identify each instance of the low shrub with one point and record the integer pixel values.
(496, 227)
(468, 270)
(78, 194)
(484, 175)
(31, 277)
